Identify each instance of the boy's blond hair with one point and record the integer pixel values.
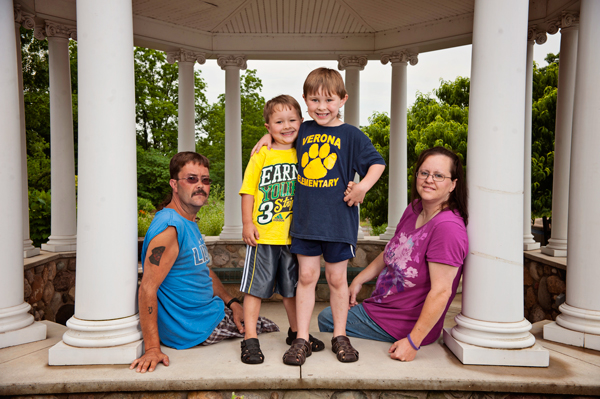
(329, 81)
(282, 101)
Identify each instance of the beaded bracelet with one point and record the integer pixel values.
(412, 343)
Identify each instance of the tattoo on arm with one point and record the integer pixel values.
(156, 255)
(149, 309)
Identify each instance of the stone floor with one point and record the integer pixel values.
(200, 371)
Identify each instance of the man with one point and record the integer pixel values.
(181, 301)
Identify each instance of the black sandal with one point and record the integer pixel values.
(251, 353)
(316, 345)
(297, 353)
(343, 349)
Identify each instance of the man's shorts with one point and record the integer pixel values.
(333, 252)
(270, 269)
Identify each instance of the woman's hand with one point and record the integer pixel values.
(265, 140)
(402, 350)
(353, 291)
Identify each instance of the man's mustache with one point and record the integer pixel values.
(201, 192)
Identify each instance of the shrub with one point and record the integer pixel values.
(211, 217)
(39, 216)
(145, 205)
(144, 220)
(378, 230)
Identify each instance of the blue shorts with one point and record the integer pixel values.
(333, 252)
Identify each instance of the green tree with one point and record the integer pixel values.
(543, 117)
(212, 140)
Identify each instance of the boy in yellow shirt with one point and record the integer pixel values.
(267, 197)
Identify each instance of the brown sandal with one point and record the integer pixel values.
(297, 353)
(342, 347)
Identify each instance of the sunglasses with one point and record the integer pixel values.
(195, 179)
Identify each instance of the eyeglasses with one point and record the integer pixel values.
(438, 177)
(195, 179)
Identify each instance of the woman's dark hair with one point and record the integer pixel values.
(458, 199)
(177, 163)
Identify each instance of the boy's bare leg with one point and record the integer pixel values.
(251, 311)
(290, 309)
(308, 276)
(337, 279)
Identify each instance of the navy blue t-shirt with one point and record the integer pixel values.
(328, 158)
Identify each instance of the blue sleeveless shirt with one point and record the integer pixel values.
(188, 311)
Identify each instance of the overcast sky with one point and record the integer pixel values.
(287, 77)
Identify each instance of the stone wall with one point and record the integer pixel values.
(50, 279)
(544, 286)
(50, 286)
(232, 253)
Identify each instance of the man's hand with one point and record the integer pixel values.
(402, 350)
(250, 234)
(265, 140)
(238, 316)
(355, 193)
(149, 360)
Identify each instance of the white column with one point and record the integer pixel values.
(233, 146)
(187, 97)
(491, 322)
(397, 186)
(63, 234)
(105, 328)
(353, 65)
(557, 245)
(16, 324)
(28, 22)
(528, 242)
(579, 322)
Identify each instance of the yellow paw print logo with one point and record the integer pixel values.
(316, 162)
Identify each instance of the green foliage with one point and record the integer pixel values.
(375, 205)
(152, 175)
(379, 230)
(212, 140)
(211, 217)
(543, 119)
(145, 205)
(454, 93)
(39, 216)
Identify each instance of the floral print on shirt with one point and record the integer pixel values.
(396, 274)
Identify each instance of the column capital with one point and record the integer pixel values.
(183, 55)
(25, 19)
(227, 61)
(352, 61)
(400, 57)
(534, 33)
(55, 29)
(566, 20)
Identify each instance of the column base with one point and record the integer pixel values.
(231, 233)
(62, 354)
(30, 252)
(558, 253)
(534, 356)
(554, 332)
(59, 247)
(389, 233)
(527, 246)
(31, 333)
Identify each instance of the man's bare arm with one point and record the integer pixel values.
(220, 291)
(160, 257)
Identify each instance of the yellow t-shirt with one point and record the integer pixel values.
(271, 178)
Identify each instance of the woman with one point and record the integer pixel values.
(420, 268)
